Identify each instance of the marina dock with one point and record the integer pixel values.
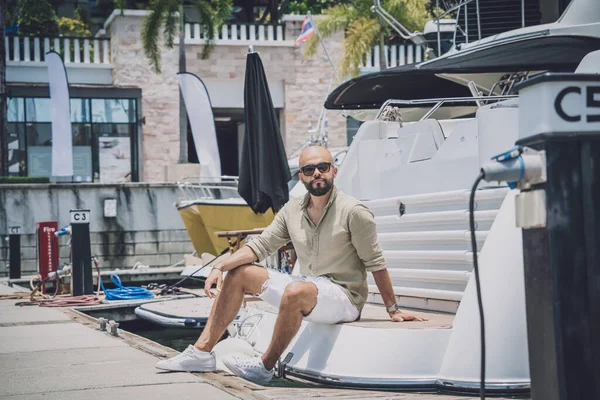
(60, 353)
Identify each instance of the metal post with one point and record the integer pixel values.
(81, 279)
(467, 22)
(3, 92)
(560, 114)
(323, 44)
(14, 248)
(437, 20)
(478, 20)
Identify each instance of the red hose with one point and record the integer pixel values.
(85, 300)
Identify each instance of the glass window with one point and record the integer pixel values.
(39, 161)
(82, 164)
(16, 149)
(113, 111)
(104, 133)
(38, 110)
(82, 134)
(39, 154)
(39, 134)
(16, 109)
(80, 110)
(114, 151)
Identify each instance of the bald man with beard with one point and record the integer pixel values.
(336, 243)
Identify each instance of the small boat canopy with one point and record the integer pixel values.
(430, 79)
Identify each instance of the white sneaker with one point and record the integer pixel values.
(191, 360)
(251, 369)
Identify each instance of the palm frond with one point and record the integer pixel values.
(360, 38)
(222, 11)
(171, 23)
(207, 25)
(364, 7)
(413, 14)
(310, 48)
(151, 32)
(335, 19)
(121, 5)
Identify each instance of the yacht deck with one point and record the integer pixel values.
(375, 316)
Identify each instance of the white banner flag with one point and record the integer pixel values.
(62, 142)
(199, 111)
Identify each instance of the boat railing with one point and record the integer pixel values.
(462, 8)
(439, 102)
(209, 188)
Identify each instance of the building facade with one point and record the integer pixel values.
(125, 115)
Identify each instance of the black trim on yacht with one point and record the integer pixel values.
(422, 81)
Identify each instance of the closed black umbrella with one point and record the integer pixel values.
(264, 171)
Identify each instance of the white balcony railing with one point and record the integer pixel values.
(396, 55)
(24, 49)
(240, 34)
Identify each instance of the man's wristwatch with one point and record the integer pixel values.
(393, 308)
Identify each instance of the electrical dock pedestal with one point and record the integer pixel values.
(81, 279)
(14, 245)
(560, 115)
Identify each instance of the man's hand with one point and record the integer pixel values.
(215, 276)
(399, 316)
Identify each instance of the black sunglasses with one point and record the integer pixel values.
(309, 170)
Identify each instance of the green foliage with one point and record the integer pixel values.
(37, 18)
(301, 7)
(413, 14)
(163, 16)
(362, 27)
(121, 4)
(12, 12)
(82, 15)
(73, 28)
(23, 179)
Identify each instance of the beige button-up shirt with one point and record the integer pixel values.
(343, 246)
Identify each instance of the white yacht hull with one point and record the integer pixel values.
(441, 354)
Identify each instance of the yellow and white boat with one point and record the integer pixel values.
(208, 208)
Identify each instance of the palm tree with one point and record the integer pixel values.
(363, 29)
(168, 16)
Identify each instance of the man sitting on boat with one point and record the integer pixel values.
(336, 243)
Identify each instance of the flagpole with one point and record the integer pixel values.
(323, 115)
(312, 22)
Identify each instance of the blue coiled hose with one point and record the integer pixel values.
(125, 292)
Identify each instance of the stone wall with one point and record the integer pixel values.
(160, 94)
(115, 250)
(306, 85)
(147, 229)
(306, 81)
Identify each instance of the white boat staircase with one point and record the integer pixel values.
(427, 244)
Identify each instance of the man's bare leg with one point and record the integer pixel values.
(241, 280)
(299, 299)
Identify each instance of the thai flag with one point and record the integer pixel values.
(307, 31)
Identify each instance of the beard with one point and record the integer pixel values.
(319, 190)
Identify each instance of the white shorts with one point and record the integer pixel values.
(333, 305)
